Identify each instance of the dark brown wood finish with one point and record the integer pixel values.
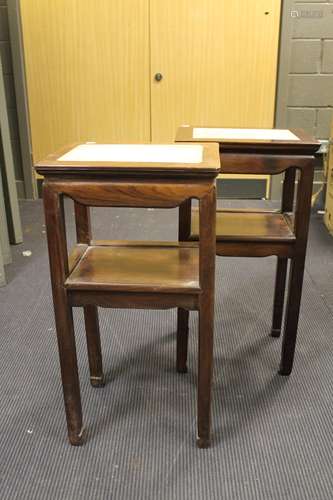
(122, 192)
(56, 237)
(207, 240)
(138, 269)
(207, 245)
(147, 275)
(259, 163)
(236, 225)
(136, 300)
(246, 233)
(302, 219)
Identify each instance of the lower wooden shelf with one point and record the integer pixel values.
(135, 266)
(242, 225)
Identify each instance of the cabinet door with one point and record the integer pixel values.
(218, 60)
(87, 68)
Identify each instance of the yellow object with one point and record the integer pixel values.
(91, 68)
(87, 68)
(219, 63)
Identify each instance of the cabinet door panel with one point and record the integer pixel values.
(218, 60)
(87, 68)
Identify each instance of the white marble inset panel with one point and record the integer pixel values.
(255, 134)
(138, 153)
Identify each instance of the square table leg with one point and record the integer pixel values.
(207, 244)
(56, 236)
(302, 219)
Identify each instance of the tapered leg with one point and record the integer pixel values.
(279, 293)
(94, 346)
(56, 236)
(182, 340)
(292, 315)
(207, 249)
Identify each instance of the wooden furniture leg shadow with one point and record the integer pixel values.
(125, 274)
(254, 233)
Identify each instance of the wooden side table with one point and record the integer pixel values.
(118, 274)
(249, 233)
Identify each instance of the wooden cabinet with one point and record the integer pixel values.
(91, 67)
(87, 68)
(218, 60)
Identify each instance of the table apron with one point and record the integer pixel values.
(268, 164)
(136, 300)
(132, 194)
